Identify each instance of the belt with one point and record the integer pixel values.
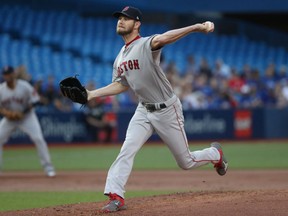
(152, 107)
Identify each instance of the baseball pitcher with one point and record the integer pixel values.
(137, 66)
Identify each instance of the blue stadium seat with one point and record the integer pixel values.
(64, 43)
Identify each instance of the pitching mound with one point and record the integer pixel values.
(239, 193)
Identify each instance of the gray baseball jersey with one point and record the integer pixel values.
(18, 99)
(138, 67)
(159, 110)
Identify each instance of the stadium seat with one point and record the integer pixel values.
(63, 43)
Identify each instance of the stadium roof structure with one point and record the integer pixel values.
(170, 6)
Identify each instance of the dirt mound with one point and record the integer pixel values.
(240, 203)
(239, 193)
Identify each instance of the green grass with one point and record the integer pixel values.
(28, 200)
(151, 157)
(258, 156)
(240, 156)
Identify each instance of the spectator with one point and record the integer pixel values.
(22, 73)
(38, 86)
(223, 100)
(96, 119)
(253, 78)
(281, 93)
(61, 103)
(235, 82)
(221, 69)
(250, 97)
(127, 100)
(204, 68)
(163, 62)
(270, 77)
(192, 99)
(190, 67)
(245, 73)
(283, 76)
(49, 90)
(173, 75)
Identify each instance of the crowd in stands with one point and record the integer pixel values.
(219, 86)
(200, 86)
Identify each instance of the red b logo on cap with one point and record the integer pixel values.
(126, 8)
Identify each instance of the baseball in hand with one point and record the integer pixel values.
(209, 26)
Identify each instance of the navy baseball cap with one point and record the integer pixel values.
(7, 70)
(131, 12)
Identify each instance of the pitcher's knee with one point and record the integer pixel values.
(185, 165)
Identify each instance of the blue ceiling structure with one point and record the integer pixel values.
(167, 6)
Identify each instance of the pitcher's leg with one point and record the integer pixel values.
(185, 158)
(139, 130)
(169, 124)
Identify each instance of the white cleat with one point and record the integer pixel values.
(51, 173)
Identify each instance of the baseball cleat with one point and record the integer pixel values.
(222, 166)
(116, 203)
(51, 173)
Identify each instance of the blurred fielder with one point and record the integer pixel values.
(17, 99)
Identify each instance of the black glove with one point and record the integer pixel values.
(72, 88)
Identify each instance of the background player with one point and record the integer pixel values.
(17, 98)
(159, 110)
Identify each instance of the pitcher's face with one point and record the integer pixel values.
(125, 25)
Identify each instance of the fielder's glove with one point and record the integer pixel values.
(72, 88)
(13, 115)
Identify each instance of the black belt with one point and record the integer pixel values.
(152, 107)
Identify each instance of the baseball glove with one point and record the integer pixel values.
(72, 88)
(13, 115)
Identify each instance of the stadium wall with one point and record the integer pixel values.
(241, 124)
